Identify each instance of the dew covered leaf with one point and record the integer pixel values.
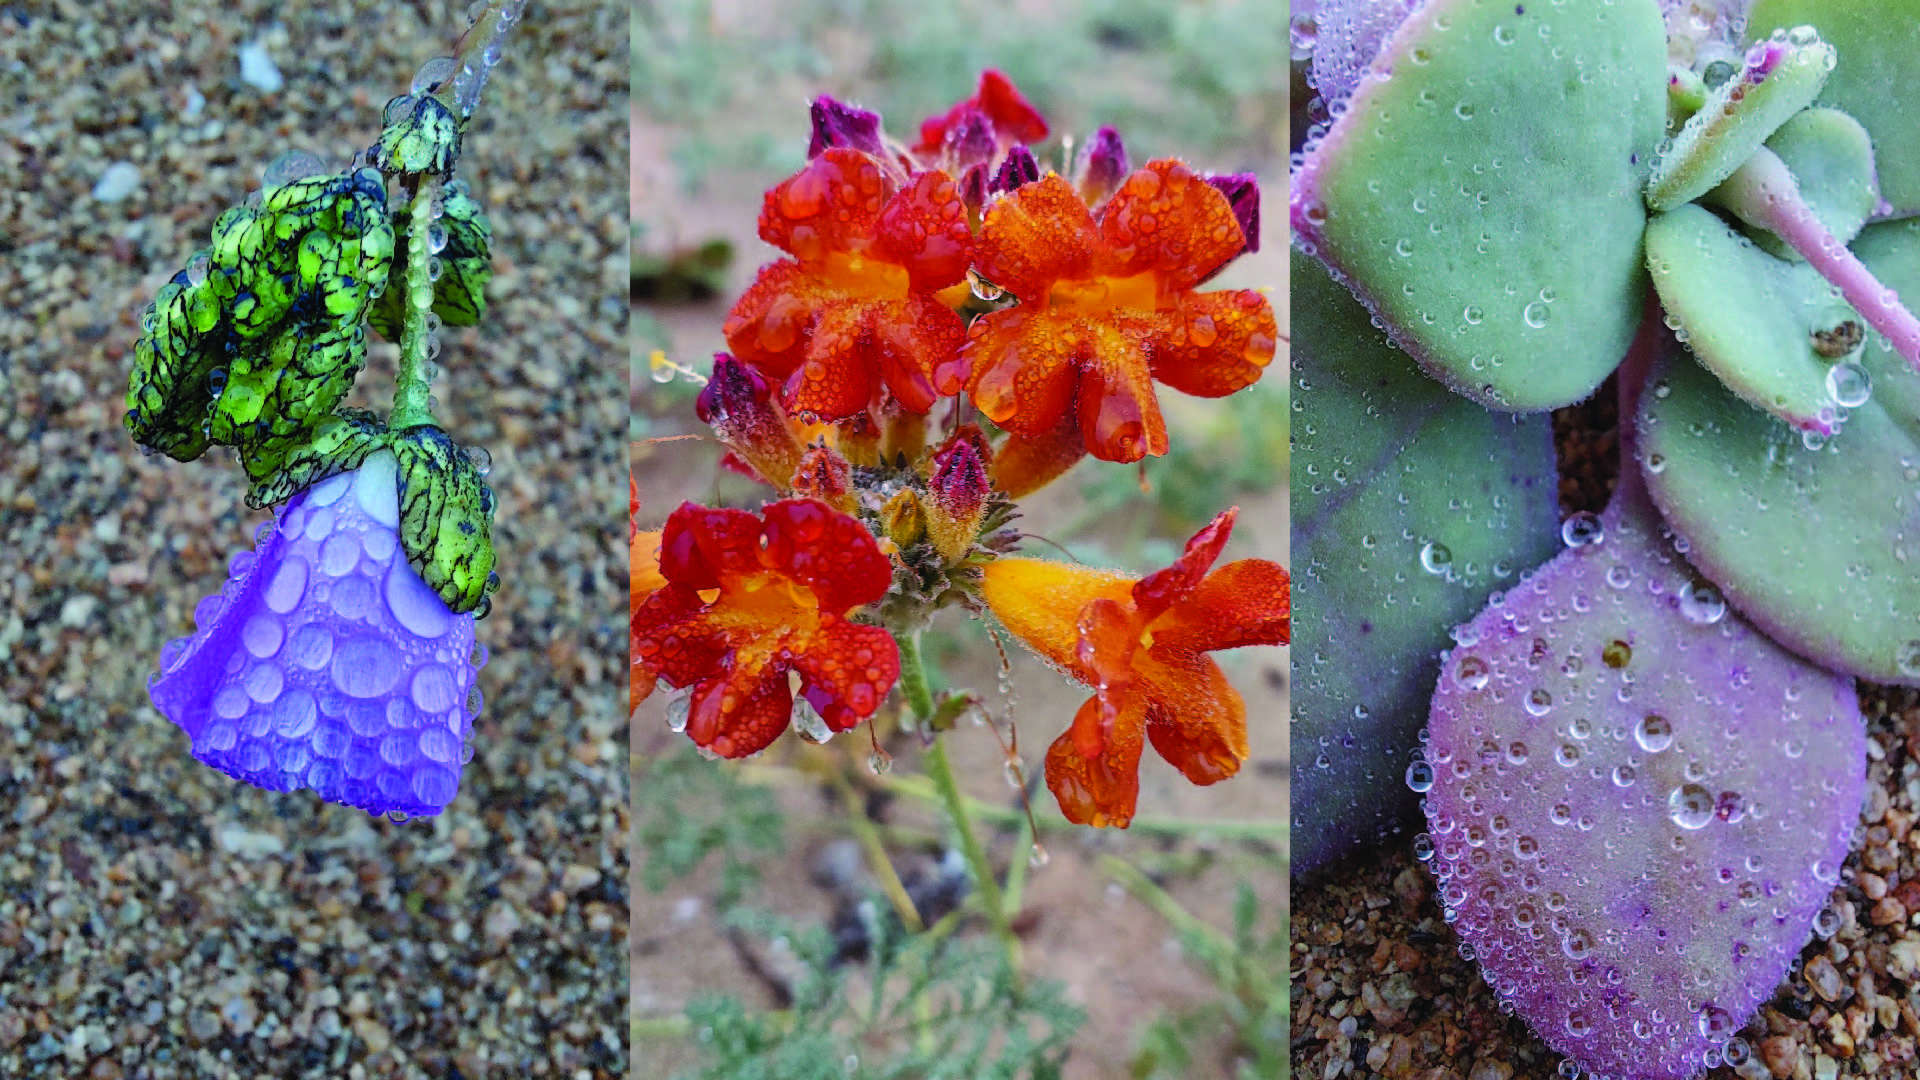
(1878, 47)
(1821, 549)
(1386, 462)
(1484, 199)
(1749, 318)
(1637, 808)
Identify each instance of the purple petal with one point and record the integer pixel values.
(326, 663)
(1018, 168)
(835, 124)
(1243, 193)
(971, 141)
(973, 187)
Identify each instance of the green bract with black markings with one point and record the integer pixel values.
(421, 136)
(466, 265)
(446, 518)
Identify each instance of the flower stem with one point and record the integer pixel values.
(913, 681)
(412, 404)
(869, 839)
(1763, 192)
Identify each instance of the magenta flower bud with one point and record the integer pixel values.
(973, 187)
(738, 403)
(326, 663)
(1101, 165)
(836, 124)
(1243, 194)
(970, 141)
(1018, 168)
(957, 494)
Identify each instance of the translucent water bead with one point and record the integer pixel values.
(326, 663)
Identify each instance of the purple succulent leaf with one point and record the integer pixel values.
(839, 124)
(326, 663)
(1243, 194)
(1639, 802)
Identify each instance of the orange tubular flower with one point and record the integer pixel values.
(747, 601)
(854, 309)
(1141, 645)
(1107, 306)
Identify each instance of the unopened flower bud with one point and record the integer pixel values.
(1100, 166)
(859, 438)
(836, 124)
(1018, 168)
(738, 403)
(904, 519)
(957, 493)
(823, 474)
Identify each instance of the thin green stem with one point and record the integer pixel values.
(412, 389)
(869, 839)
(1268, 831)
(913, 682)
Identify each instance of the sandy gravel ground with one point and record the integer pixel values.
(156, 918)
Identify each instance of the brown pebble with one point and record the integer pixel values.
(1780, 1055)
(1872, 884)
(1908, 893)
(1887, 912)
(1824, 979)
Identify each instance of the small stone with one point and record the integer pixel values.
(248, 844)
(121, 179)
(1781, 1055)
(374, 1033)
(1887, 912)
(502, 921)
(257, 68)
(577, 877)
(1903, 959)
(1824, 979)
(77, 610)
(1872, 884)
(1491, 1070)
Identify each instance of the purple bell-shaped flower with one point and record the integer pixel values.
(326, 662)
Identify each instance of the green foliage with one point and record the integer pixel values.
(928, 1008)
(689, 809)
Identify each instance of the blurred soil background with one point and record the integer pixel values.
(158, 919)
(1129, 922)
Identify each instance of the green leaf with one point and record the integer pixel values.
(1484, 197)
(1385, 463)
(1820, 548)
(1750, 318)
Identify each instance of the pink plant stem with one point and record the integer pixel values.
(1764, 193)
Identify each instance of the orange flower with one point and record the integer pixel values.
(854, 310)
(747, 601)
(645, 571)
(1141, 644)
(1107, 306)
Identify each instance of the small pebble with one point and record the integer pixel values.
(257, 68)
(121, 179)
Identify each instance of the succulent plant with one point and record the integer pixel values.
(1641, 762)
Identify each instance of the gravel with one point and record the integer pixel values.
(156, 918)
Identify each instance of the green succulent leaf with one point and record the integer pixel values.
(1878, 46)
(1779, 79)
(446, 518)
(1482, 192)
(1818, 547)
(1410, 504)
(1763, 325)
(466, 265)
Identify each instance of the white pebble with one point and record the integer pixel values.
(257, 68)
(248, 844)
(121, 179)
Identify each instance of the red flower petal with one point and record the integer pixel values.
(741, 712)
(1014, 117)
(1200, 728)
(829, 205)
(1242, 603)
(699, 544)
(1101, 790)
(849, 669)
(1159, 590)
(924, 228)
(1220, 343)
(828, 552)
(1036, 236)
(1167, 219)
(1023, 371)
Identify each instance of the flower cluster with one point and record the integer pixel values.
(1044, 306)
